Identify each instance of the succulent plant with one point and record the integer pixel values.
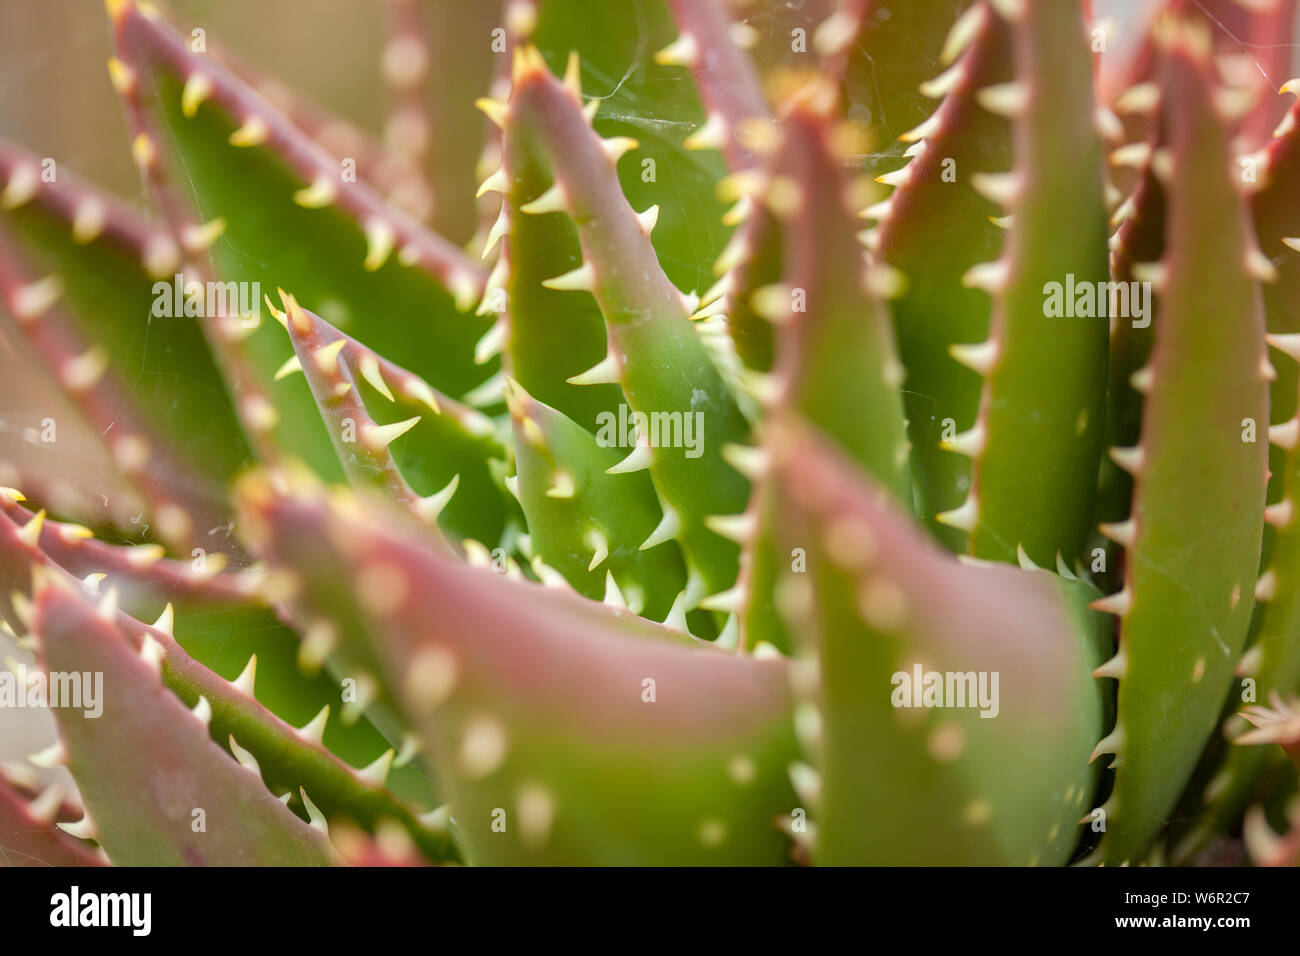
(910, 482)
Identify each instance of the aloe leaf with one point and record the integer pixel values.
(1251, 43)
(75, 477)
(220, 619)
(712, 46)
(377, 163)
(105, 260)
(360, 441)
(368, 268)
(836, 363)
(868, 625)
(619, 745)
(29, 836)
(616, 50)
(75, 273)
(1271, 666)
(1139, 239)
(242, 823)
(1271, 177)
(362, 444)
(752, 260)
(729, 84)
(447, 450)
(548, 335)
(520, 20)
(227, 329)
(836, 358)
(289, 757)
(138, 570)
(349, 772)
(648, 328)
(1199, 474)
(934, 228)
(585, 523)
(1036, 445)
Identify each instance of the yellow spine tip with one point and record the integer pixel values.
(121, 76)
(573, 76)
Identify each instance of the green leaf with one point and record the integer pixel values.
(248, 642)
(146, 769)
(1036, 445)
(643, 99)
(456, 445)
(551, 335)
(28, 835)
(567, 732)
(296, 218)
(934, 228)
(81, 268)
(878, 610)
(726, 76)
(1198, 473)
(585, 523)
(836, 361)
(655, 353)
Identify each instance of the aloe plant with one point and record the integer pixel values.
(912, 482)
